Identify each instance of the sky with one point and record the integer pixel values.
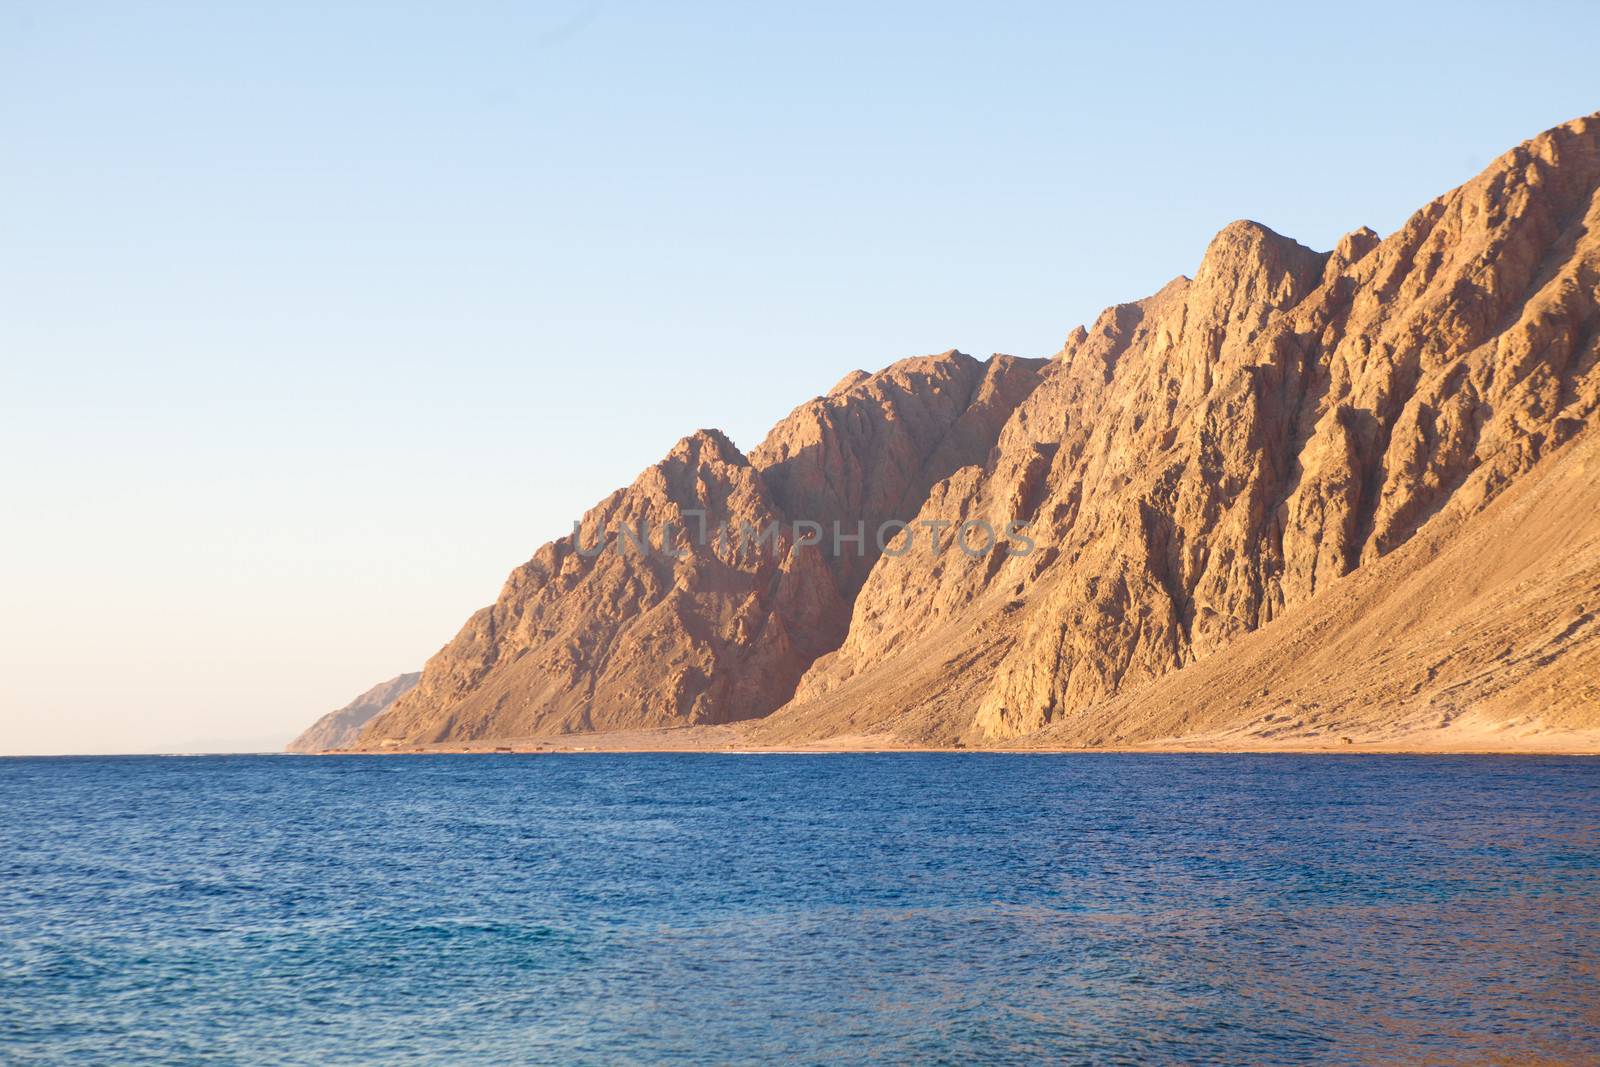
(318, 318)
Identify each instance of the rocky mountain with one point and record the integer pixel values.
(1300, 494)
(648, 616)
(339, 729)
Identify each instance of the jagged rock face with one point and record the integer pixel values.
(631, 635)
(1484, 623)
(1193, 469)
(1201, 461)
(870, 451)
(339, 729)
(599, 631)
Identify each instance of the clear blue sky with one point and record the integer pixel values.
(316, 318)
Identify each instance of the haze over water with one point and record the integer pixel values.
(821, 908)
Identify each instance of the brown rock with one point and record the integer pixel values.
(1300, 493)
(1199, 462)
(626, 638)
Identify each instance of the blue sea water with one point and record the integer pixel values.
(844, 908)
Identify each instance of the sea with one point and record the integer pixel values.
(848, 908)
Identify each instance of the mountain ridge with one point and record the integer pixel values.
(1193, 467)
(623, 638)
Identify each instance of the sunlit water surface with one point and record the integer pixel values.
(897, 908)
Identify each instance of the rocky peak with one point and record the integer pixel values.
(593, 633)
(1248, 270)
(1352, 249)
(849, 381)
(869, 452)
(706, 446)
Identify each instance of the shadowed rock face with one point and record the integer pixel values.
(1193, 468)
(624, 638)
(871, 450)
(339, 729)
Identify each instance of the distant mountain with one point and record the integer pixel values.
(339, 729)
(1301, 495)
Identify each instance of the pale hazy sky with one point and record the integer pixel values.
(317, 318)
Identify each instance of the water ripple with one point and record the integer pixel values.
(853, 908)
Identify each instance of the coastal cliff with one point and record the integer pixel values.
(1344, 495)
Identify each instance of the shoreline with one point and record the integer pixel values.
(730, 740)
(1374, 749)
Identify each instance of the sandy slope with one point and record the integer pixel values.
(1483, 632)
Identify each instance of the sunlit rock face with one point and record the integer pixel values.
(1246, 463)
